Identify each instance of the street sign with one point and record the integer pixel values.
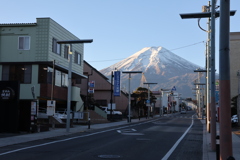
(148, 103)
(174, 88)
(91, 84)
(91, 90)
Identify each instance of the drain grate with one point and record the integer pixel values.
(109, 156)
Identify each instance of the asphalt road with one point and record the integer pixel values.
(164, 138)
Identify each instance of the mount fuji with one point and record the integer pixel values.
(160, 66)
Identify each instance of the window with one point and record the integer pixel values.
(77, 58)
(45, 74)
(66, 48)
(22, 73)
(5, 72)
(27, 73)
(64, 79)
(58, 78)
(56, 48)
(24, 43)
(78, 81)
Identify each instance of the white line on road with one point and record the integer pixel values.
(177, 143)
(44, 144)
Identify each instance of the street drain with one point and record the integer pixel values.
(109, 156)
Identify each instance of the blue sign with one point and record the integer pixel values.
(117, 82)
(174, 88)
(91, 84)
(217, 96)
(91, 90)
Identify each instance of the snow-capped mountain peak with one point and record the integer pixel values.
(159, 65)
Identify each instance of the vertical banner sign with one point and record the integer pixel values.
(117, 89)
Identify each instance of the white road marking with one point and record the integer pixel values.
(177, 143)
(129, 132)
(63, 140)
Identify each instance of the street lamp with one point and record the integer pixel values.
(129, 94)
(148, 103)
(70, 74)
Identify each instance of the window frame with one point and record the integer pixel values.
(25, 45)
(56, 48)
(77, 58)
(21, 73)
(66, 48)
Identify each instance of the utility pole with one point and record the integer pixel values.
(213, 88)
(208, 70)
(224, 82)
(129, 91)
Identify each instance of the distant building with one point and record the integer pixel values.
(102, 90)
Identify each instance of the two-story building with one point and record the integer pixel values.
(31, 56)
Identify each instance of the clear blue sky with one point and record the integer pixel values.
(120, 28)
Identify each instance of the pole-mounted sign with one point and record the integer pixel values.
(174, 88)
(117, 89)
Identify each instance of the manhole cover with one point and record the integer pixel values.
(143, 139)
(109, 156)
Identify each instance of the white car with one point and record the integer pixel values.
(108, 111)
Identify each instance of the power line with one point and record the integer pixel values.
(166, 51)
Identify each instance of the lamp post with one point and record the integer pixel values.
(148, 84)
(70, 75)
(129, 94)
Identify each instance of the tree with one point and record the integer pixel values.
(140, 96)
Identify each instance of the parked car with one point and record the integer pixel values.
(108, 111)
(234, 119)
(183, 111)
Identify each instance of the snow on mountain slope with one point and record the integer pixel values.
(160, 66)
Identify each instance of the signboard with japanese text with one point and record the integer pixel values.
(117, 82)
(34, 108)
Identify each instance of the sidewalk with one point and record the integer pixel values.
(208, 154)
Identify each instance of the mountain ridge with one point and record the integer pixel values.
(159, 66)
